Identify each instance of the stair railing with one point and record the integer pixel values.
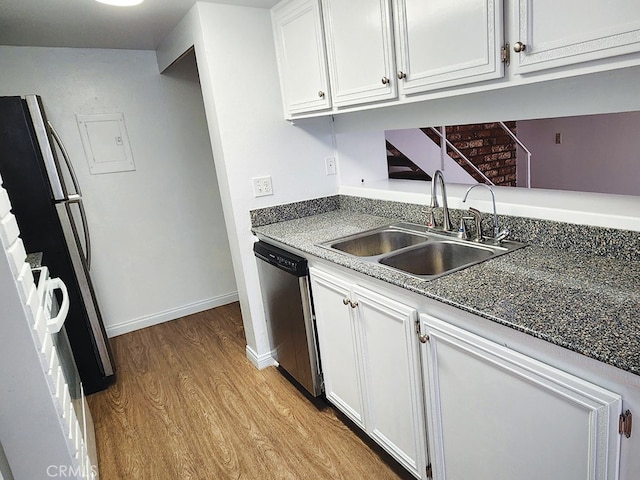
(460, 154)
(521, 145)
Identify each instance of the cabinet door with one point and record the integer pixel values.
(497, 414)
(443, 43)
(391, 367)
(558, 33)
(337, 343)
(360, 50)
(297, 27)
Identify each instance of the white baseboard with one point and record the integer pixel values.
(172, 314)
(260, 361)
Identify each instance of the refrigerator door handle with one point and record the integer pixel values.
(85, 227)
(51, 165)
(65, 155)
(86, 289)
(77, 197)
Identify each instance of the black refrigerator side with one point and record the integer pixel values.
(47, 226)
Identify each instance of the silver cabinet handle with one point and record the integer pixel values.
(519, 47)
(348, 301)
(401, 75)
(385, 81)
(423, 338)
(321, 94)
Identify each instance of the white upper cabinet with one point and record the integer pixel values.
(444, 43)
(299, 39)
(345, 55)
(360, 51)
(558, 33)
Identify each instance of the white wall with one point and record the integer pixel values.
(598, 153)
(159, 239)
(237, 63)
(362, 157)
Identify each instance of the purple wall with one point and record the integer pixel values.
(598, 153)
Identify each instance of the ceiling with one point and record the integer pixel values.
(89, 24)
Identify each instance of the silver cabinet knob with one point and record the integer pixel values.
(423, 338)
(385, 81)
(519, 47)
(321, 94)
(348, 301)
(401, 75)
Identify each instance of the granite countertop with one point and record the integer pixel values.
(34, 259)
(585, 303)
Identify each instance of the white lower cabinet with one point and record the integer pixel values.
(492, 412)
(338, 346)
(371, 365)
(495, 414)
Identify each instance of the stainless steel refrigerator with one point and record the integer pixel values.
(47, 202)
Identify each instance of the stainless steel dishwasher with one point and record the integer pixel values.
(286, 294)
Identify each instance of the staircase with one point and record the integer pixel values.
(416, 147)
(484, 152)
(403, 168)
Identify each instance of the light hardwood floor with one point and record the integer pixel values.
(187, 404)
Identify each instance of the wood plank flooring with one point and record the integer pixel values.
(187, 404)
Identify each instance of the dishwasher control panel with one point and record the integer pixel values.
(277, 257)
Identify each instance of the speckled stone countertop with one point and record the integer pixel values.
(586, 303)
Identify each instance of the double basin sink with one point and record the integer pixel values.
(419, 251)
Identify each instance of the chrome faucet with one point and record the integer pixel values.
(498, 235)
(437, 177)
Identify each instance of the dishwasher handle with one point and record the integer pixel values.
(287, 261)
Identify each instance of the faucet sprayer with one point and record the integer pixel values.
(498, 235)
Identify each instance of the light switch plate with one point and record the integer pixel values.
(330, 165)
(262, 186)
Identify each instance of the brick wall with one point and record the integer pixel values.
(487, 146)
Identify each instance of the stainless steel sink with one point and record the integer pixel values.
(418, 250)
(437, 258)
(378, 242)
